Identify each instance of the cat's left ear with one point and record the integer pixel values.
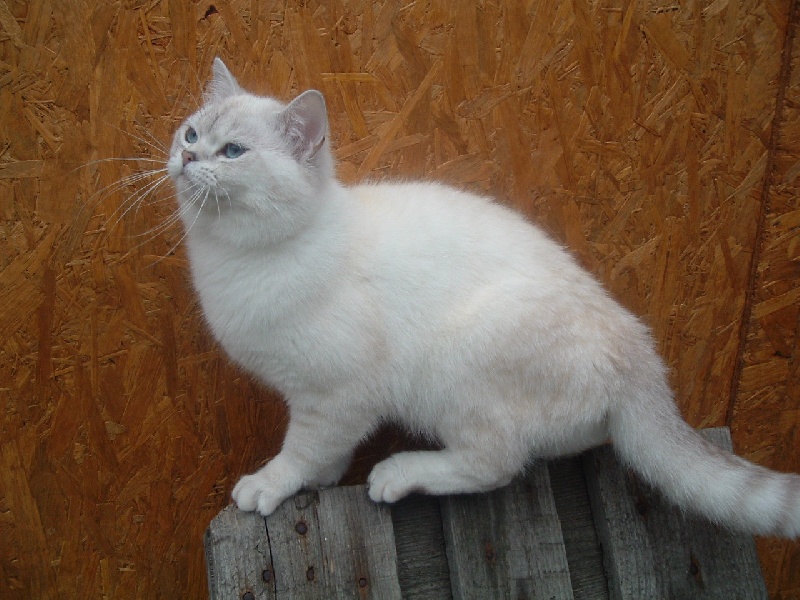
(306, 124)
(223, 84)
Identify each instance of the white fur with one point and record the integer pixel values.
(429, 306)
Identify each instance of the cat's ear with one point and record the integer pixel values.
(306, 124)
(223, 84)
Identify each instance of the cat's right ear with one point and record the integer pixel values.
(305, 123)
(223, 84)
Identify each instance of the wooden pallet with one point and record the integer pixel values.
(573, 528)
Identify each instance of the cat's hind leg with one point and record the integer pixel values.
(440, 472)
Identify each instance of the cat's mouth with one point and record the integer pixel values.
(201, 177)
(193, 178)
(200, 189)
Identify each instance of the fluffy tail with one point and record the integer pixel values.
(651, 437)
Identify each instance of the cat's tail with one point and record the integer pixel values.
(651, 437)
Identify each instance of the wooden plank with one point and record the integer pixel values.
(507, 544)
(238, 557)
(654, 551)
(358, 545)
(330, 544)
(584, 554)
(421, 555)
(333, 544)
(293, 530)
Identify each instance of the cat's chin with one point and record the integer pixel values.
(230, 223)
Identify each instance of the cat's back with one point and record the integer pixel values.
(434, 205)
(431, 223)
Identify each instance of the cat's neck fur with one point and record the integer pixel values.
(293, 269)
(313, 224)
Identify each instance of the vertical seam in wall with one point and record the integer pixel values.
(766, 190)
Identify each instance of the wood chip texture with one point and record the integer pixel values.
(657, 139)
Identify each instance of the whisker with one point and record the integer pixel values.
(187, 229)
(116, 159)
(149, 190)
(178, 214)
(136, 200)
(186, 88)
(274, 206)
(172, 219)
(95, 199)
(156, 141)
(228, 196)
(148, 185)
(161, 200)
(99, 195)
(158, 147)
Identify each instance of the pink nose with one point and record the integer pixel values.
(188, 157)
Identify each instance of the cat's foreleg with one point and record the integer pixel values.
(439, 472)
(316, 452)
(331, 473)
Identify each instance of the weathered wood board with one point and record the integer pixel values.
(335, 544)
(654, 551)
(507, 544)
(539, 537)
(421, 553)
(584, 553)
(238, 556)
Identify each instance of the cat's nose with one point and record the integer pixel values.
(188, 157)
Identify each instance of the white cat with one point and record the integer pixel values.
(421, 304)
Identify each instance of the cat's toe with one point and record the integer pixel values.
(245, 493)
(254, 493)
(267, 503)
(386, 482)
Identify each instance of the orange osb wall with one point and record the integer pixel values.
(659, 140)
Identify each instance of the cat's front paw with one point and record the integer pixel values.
(254, 492)
(388, 482)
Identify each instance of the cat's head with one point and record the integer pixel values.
(248, 167)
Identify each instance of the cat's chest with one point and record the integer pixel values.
(247, 297)
(288, 325)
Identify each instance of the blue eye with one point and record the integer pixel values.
(191, 135)
(233, 150)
